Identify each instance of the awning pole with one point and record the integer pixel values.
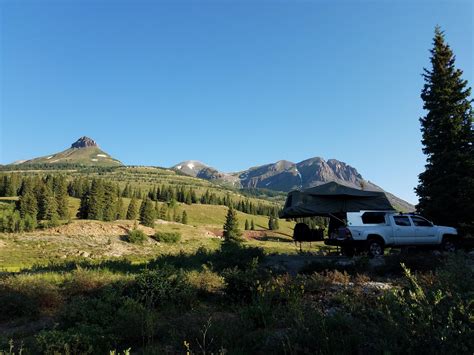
(333, 216)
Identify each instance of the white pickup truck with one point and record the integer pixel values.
(372, 231)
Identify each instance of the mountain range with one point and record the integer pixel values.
(282, 175)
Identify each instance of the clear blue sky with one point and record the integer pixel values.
(231, 83)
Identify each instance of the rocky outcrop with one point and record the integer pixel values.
(84, 142)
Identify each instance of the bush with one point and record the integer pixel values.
(167, 237)
(241, 284)
(136, 236)
(166, 285)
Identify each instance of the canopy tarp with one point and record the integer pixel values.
(333, 198)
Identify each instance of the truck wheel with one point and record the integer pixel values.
(348, 251)
(448, 245)
(375, 248)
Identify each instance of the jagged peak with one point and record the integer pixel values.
(84, 142)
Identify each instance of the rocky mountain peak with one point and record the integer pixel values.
(84, 142)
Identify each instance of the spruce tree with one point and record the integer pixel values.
(184, 218)
(276, 225)
(252, 225)
(247, 225)
(163, 211)
(271, 224)
(83, 212)
(147, 213)
(27, 204)
(232, 233)
(96, 200)
(132, 211)
(60, 192)
(120, 208)
(446, 187)
(109, 202)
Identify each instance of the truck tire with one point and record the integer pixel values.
(448, 245)
(375, 247)
(348, 251)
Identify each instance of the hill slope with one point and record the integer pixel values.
(84, 151)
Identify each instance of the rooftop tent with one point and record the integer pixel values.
(333, 198)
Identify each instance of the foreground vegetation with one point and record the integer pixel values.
(226, 301)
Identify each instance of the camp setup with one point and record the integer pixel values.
(331, 200)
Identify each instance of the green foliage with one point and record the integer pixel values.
(147, 213)
(132, 211)
(184, 218)
(167, 237)
(240, 283)
(273, 223)
(446, 187)
(232, 233)
(136, 236)
(163, 286)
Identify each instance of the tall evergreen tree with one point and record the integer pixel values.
(120, 208)
(132, 211)
(252, 225)
(271, 223)
(147, 213)
(232, 233)
(109, 202)
(60, 192)
(96, 200)
(28, 205)
(247, 225)
(163, 212)
(184, 218)
(446, 187)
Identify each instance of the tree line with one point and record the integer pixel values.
(44, 198)
(39, 199)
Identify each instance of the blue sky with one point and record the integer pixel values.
(231, 83)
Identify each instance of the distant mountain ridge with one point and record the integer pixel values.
(83, 152)
(285, 176)
(282, 175)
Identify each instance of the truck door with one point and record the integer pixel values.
(403, 231)
(425, 232)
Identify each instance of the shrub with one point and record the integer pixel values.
(167, 237)
(136, 236)
(82, 339)
(166, 285)
(240, 284)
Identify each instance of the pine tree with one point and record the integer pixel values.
(446, 187)
(132, 211)
(60, 192)
(276, 225)
(96, 200)
(83, 212)
(247, 225)
(120, 210)
(27, 204)
(232, 233)
(252, 225)
(147, 213)
(163, 211)
(271, 224)
(109, 202)
(184, 218)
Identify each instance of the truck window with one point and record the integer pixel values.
(421, 222)
(373, 218)
(402, 221)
